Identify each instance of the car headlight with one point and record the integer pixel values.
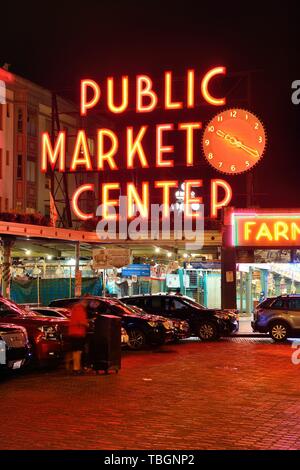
(222, 316)
(153, 324)
(168, 324)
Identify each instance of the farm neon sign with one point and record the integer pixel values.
(266, 229)
(116, 99)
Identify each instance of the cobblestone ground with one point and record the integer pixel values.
(239, 393)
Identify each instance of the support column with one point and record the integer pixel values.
(7, 243)
(78, 273)
(241, 291)
(264, 281)
(228, 265)
(277, 278)
(288, 283)
(249, 298)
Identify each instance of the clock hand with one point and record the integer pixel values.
(253, 152)
(237, 143)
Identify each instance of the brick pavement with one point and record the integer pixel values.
(239, 393)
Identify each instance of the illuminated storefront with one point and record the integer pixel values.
(264, 246)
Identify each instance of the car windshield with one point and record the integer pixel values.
(189, 301)
(47, 313)
(266, 303)
(125, 309)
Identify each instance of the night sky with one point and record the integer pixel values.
(57, 43)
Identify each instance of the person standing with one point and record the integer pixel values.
(78, 326)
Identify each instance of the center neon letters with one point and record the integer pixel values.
(110, 193)
(146, 97)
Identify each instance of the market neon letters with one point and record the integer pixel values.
(107, 147)
(51, 155)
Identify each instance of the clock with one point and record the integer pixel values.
(234, 141)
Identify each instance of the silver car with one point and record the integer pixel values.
(278, 316)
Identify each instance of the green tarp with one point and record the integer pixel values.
(50, 289)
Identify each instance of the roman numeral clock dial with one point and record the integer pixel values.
(234, 141)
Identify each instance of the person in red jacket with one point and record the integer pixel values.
(78, 325)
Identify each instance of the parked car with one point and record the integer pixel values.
(14, 346)
(44, 334)
(279, 316)
(142, 329)
(52, 312)
(180, 328)
(206, 323)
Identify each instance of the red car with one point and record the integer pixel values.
(44, 333)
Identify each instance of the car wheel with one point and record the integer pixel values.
(136, 339)
(208, 331)
(279, 331)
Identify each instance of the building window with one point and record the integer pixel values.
(7, 157)
(47, 183)
(20, 121)
(30, 170)
(1, 153)
(20, 167)
(47, 211)
(31, 125)
(7, 111)
(6, 203)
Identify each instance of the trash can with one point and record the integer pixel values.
(105, 343)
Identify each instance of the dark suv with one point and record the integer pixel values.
(278, 316)
(207, 324)
(142, 329)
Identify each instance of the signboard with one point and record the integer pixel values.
(128, 149)
(140, 270)
(173, 281)
(272, 256)
(117, 257)
(104, 258)
(266, 229)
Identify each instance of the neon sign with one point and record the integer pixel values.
(261, 229)
(109, 156)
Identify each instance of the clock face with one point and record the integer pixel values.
(234, 141)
